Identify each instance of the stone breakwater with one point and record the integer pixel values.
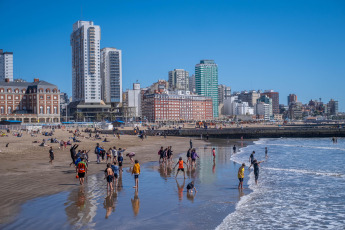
(247, 133)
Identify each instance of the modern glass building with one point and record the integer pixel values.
(206, 82)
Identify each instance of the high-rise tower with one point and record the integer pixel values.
(6, 65)
(179, 79)
(86, 75)
(111, 73)
(206, 82)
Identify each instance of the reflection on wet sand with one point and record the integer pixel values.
(180, 189)
(135, 203)
(109, 204)
(80, 209)
(191, 196)
(165, 170)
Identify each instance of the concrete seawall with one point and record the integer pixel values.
(247, 133)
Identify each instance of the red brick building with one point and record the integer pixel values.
(29, 102)
(176, 107)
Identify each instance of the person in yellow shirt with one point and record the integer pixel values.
(136, 172)
(240, 176)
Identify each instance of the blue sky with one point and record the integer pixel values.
(289, 46)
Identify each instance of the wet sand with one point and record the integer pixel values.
(161, 202)
(26, 174)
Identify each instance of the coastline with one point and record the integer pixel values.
(227, 202)
(26, 173)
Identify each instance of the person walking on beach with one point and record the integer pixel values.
(82, 170)
(234, 149)
(190, 143)
(51, 155)
(256, 165)
(98, 150)
(214, 154)
(266, 151)
(120, 161)
(109, 175)
(240, 176)
(194, 156)
(189, 159)
(251, 158)
(136, 172)
(115, 169)
(114, 153)
(161, 154)
(180, 167)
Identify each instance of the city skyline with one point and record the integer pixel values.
(280, 46)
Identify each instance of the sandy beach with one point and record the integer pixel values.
(26, 174)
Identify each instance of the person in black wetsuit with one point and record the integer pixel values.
(251, 158)
(256, 165)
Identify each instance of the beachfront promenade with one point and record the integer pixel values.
(248, 132)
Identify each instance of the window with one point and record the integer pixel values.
(41, 110)
(55, 97)
(9, 110)
(48, 97)
(9, 97)
(41, 97)
(2, 110)
(55, 110)
(16, 97)
(48, 109)
(2, 97)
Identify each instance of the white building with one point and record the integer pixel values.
(6, 65)
(264, 110)
(179, 80)
(233, 106)
(111, 74)
(134, 99)
(86, 75)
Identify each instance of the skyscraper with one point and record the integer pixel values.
(206, 82)
(332, 107)
(275, 100)
(292, 98)
(6, 65)
(192, 84)
(179, 79)
(86, 75)
(224, 92)
(111, 74)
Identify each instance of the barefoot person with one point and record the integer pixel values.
(251, 158)
(180, 167)
(82, 170)
(109, 175)
(240, 176)
(190, 187)
(136, 172)
(194, 156)
(51, 155)
(214, 154)
(256, 165)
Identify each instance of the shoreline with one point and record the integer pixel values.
(231, 199)
(26, 173)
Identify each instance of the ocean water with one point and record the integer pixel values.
(301, 186)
